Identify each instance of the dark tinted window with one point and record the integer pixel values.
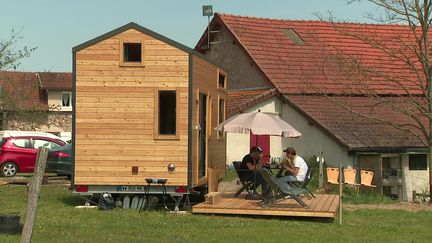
(418, 161)
(221, 113)
(21, 142)
(167, 112)
(132, 52)
(221, 81)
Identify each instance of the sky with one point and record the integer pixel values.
(55, 26)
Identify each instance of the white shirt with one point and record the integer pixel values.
(297, 162)
(301, 164)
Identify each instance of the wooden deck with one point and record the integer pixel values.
(323, 206)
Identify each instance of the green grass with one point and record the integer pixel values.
(230, 175)
(58, 221)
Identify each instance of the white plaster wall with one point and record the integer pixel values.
(417, 180)
(238, 144)
(306, 146)
(312, 139)
(55, 101)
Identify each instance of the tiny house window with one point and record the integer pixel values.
(221, 114)
(131, 52)
(222, 81)
(166, 114)
(66, 99)
(418, 162)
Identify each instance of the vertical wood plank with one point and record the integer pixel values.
(33, 196)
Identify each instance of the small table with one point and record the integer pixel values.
(154, 181)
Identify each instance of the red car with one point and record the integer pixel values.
(18, 154)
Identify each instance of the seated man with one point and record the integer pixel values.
(295, 165)
(248, 166)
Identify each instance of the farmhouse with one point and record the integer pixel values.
(145, 108)
(40, 101)
(285, 66)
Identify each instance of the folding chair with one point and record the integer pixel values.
(247, 185)
(332, 175)
(301, 184)
(366, 178)
(349, 178)
(279, 190)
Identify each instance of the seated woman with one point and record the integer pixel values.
(295, 165)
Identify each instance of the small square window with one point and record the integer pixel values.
(417, 162)
(66, 99)
(132, 52)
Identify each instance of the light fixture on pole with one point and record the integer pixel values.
(207, 10)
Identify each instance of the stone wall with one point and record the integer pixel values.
(54, 122)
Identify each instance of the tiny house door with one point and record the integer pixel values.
(202, 137)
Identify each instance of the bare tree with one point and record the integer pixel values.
(399, 79)
(12, 95)
(10, 57)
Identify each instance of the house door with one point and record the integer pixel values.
(202, 137)
(263, 141)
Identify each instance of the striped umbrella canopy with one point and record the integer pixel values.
(259, 123)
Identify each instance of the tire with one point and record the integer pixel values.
(8, 169)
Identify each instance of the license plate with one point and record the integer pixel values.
(131, 188)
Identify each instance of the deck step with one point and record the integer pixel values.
(213, 197)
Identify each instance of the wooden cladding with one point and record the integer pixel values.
(115, 113)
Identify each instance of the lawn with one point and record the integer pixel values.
(58, 221)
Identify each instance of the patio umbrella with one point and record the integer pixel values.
(259, 123)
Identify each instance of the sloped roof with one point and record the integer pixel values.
(300, 57)
(20, 91)
(55, 80)
(144, 30)
(26, 90)
(360, 131)
(240, 100)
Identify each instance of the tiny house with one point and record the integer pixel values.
(145, 107)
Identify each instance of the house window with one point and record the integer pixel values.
(221, 114)
(166, 115)
(66, 99)
(131, 52)
(418, 162)
(222, 81)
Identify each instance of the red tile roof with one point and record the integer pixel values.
(25, 91)
(240, 100)
(297, 69)
(20, 91)
(56, 81)
(355, 131)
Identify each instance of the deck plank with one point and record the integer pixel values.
(321, 206)
(321, 202)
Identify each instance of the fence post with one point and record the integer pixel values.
(33, 195)
(340, 192)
